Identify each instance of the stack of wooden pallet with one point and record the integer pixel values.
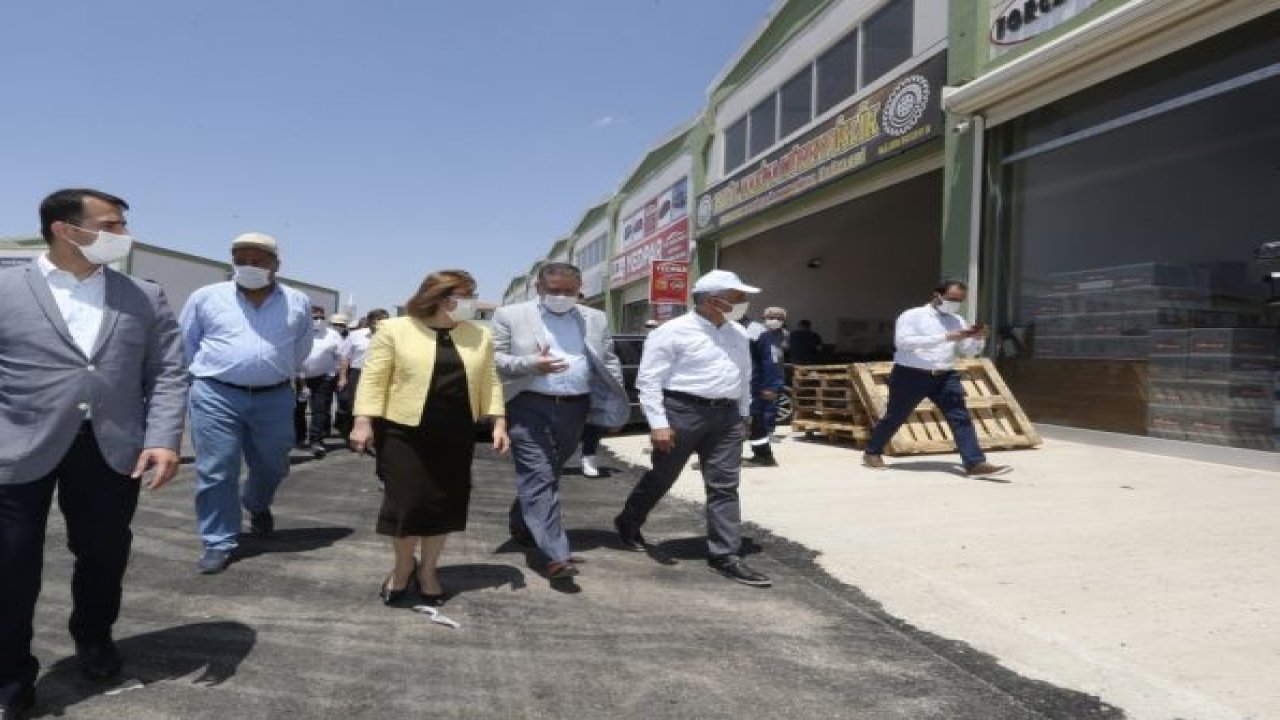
(826, 403)
(843, 402)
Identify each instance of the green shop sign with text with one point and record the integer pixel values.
(903, 114)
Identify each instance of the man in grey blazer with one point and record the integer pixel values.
(92, 395)
(558, 372)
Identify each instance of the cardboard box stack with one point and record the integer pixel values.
(1215, 385)
(1110, 313)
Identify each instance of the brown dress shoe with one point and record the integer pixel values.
(986, 469)
(561, 570)
(875, 462)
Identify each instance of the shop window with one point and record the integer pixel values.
(764, 125)
(797, 102)
(887, 39)
(838, 73)
(1129, 256)
(735, 145)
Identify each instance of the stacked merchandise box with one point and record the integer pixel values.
(1214, 385)
(1110, 313)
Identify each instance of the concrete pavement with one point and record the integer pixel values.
(294, 630)
(1146, 580)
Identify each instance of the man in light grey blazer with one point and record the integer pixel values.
(92, 397)
(558, 372)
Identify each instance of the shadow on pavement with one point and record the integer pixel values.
(473, 577)
(695, 548)
(292, 540)
(927, 466)
(216, 648)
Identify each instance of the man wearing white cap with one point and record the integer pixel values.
(695, 388)
(246, 341)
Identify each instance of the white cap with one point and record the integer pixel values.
(259, 241)
(338, 319)
(722, 280)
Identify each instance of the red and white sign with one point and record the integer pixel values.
(668, 282)
(671, 243)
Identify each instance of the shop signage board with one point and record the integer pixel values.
(903, 114)
(1014, 22)
(668, 282)
(659, 230)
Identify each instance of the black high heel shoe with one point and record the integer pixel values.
(397, 598)
(430, 600)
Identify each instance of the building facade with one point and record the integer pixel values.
(1101, 172)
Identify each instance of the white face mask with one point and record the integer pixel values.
(465, 310)
(106, 248)
(251, 278)
(559, 304)
(317, 323)
(737, 311)
(950, 307)
(773, 324)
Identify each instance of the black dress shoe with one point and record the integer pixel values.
(18, 707)
(100, 661)
(738, 571)
(761, 461)
(262, 524)
(629, 535)
(319, 451)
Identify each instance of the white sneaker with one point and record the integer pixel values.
(589, 468)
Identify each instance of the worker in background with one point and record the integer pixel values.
(767, 341)
(805, 345)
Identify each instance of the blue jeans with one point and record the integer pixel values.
(544, 434)
(908, 387)
(227, 424)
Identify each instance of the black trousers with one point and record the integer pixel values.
(343, 419)
(322, 388)
(98, 504)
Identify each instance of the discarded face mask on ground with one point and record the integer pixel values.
(436, 616)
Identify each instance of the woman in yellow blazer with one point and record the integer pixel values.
(429, 377)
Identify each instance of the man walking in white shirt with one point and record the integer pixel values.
(695, 388)
(928, 341)
(320, 378)
(351, 361)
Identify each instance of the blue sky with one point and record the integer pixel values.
(377, 139)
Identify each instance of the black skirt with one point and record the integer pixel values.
(426, 469)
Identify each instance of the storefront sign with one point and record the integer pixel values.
(1014, 22)
(899, 116)
(671, 243)
(668, 282)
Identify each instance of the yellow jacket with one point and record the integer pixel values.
(402, 356)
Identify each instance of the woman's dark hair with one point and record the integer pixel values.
(946, 285)
(68, 206)
(435, 289)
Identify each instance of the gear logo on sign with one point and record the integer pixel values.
(905, 106)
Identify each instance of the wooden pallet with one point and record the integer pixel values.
(856, 433)
(822, 377)
(997, 417)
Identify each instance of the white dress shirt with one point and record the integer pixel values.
(81, 302)
(691, 355)
(921, 339)
(356, 348)
(323, 359)
(567, 342)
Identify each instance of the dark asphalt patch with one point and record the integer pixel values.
(295, 629)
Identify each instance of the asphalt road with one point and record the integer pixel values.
(294, 628)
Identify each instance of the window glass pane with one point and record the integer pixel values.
(797, 102)
(886, 39)
(838, 72)
(735, 145)
(764, 125)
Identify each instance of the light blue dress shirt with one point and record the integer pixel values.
(565, 336)
(227, 338)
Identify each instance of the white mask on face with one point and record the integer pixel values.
(773, 324)
(465, 310)
(950, 307)
(317, 323)
(737, 311)
(251, 278)
(106, 248)
(559, 304)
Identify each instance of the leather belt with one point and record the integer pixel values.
(251, 389)
(698, 399)
(560, 398)
(935, 373)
